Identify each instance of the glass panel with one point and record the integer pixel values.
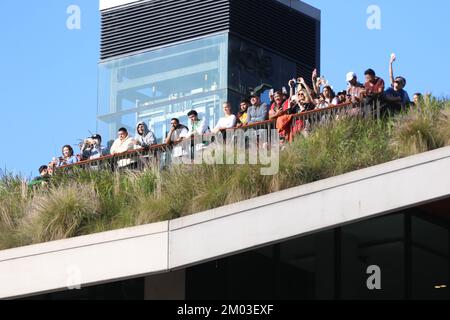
(307, 267)
(430, 260)
(163, 84)
(427, 234)
(377, 242)
(429, 275)
(251, 66)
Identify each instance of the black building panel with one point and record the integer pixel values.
(151, 24)
(268, 23)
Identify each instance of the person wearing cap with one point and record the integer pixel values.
(258, 112)
(396, 97)
(92, 148)
(355, 89)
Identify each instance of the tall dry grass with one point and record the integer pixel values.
(86, 202)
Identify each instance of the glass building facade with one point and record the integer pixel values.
(161, 59)
(168, 82)
(162, 84)
(411, 248)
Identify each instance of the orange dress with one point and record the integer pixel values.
(284, 122)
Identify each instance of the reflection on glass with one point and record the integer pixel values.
(163, 84)
(251, 66)
(377, 242)
(430, 258)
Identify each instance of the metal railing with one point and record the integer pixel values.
(161, 156)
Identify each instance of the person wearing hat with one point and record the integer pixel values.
(258, 112)
(92, 148)
(355, 89)
(396, 97)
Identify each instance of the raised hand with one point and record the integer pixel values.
(393, 57)
(291, 83)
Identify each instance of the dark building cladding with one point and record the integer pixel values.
(411, 248)
(150, 24)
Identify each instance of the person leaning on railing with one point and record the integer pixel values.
(355, 89)
(279, 111)
(396, 97)
(67, 158)
(121, 145)
(242, 116)
(355, 94)
(374, 86)
(327, 98)
(144, 138)
(228, 121)
(197, 126)
(177, 132)
(92, 148)
(257, 112)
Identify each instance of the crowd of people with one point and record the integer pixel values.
(282, 107)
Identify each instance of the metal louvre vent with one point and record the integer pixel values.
(154, 23)
(279, 28)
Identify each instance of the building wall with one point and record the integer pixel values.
(108, 4)
(410, 247)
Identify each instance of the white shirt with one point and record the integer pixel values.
(122, 146)
(226, 123)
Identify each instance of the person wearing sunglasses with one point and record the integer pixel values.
(396, 96)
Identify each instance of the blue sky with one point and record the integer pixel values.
(49, 82)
